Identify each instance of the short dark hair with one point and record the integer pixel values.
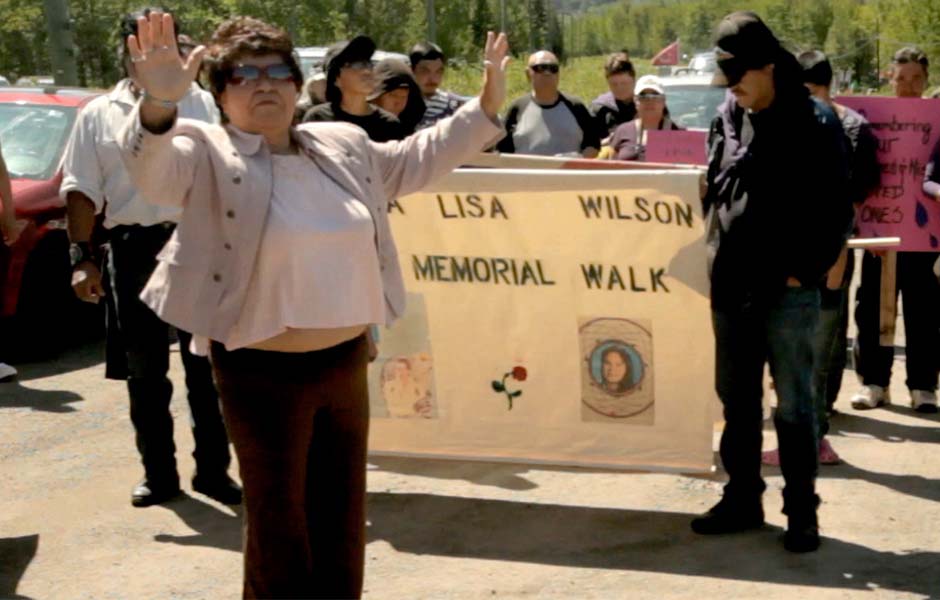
(425, 51)
(619, 62)
(816, 68)
(129, 21)
(246, 36)
(911, 54)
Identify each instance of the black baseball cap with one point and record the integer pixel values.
(340, 54)
(743, 42)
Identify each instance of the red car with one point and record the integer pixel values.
(39, 313)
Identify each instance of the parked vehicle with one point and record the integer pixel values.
(38, 309)
(700, 64)
(35, 81)
(312, 57)
(692, 100)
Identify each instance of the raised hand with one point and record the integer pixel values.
(495, 60)
(159, 68)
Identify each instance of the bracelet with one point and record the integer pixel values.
(167, 104)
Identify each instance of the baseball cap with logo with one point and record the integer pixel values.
(744, 42)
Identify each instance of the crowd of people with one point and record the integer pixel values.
(252, 217)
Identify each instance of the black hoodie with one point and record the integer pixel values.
(777, 203)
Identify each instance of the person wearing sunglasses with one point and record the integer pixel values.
(547, 122)
(95, 180)
(349, 83)
(628, 141)
(282, 261)
(778, 216)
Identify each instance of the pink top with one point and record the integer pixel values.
(317, 266)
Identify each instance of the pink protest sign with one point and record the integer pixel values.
(683, 147)
(907, 130)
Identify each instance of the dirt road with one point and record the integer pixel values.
(457, 529)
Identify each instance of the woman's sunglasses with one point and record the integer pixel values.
(553, 69)
(650, 97)
(360, 65)
(244, 74)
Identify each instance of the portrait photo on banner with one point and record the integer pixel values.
(617, 371)
(401, 379)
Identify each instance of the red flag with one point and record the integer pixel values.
(668, 56)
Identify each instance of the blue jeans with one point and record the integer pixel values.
(780, 332)
(830, 350)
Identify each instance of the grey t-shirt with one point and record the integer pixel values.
(563, 128)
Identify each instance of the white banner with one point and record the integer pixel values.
(553, 317)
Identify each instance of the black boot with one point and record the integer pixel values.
(802, 527)
(219, 487)
(730, 516)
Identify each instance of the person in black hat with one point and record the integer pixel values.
(778, 218)
(397, 93)
(349, 82)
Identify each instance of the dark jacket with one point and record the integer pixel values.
(608, 113)
(391, 74)
(777, 201)
(864, 169)
(380, 125)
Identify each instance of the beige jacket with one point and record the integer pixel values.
(222, 178)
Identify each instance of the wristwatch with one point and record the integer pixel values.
(80, 252)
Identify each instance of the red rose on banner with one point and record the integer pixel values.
(517, 373)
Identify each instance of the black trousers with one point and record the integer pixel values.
(137, 335)
(300, 426)
(747, 337)
(920, 291)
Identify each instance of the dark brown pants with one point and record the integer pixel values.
(299, 424)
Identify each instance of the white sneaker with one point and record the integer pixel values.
(924, 401)
(870, 396)
(7, 373)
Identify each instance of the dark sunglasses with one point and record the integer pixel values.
(650, 96)
(243, 74)
(360, 65)
(733, 70)
(553, 69)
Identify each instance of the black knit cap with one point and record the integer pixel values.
(744, 42)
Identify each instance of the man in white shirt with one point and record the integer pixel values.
(95, 182)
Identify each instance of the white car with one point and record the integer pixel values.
(701, 63)
(692, 100)
(312, 58)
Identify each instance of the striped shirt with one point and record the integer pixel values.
(440, 106)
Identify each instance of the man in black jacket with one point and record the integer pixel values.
(779, 216)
